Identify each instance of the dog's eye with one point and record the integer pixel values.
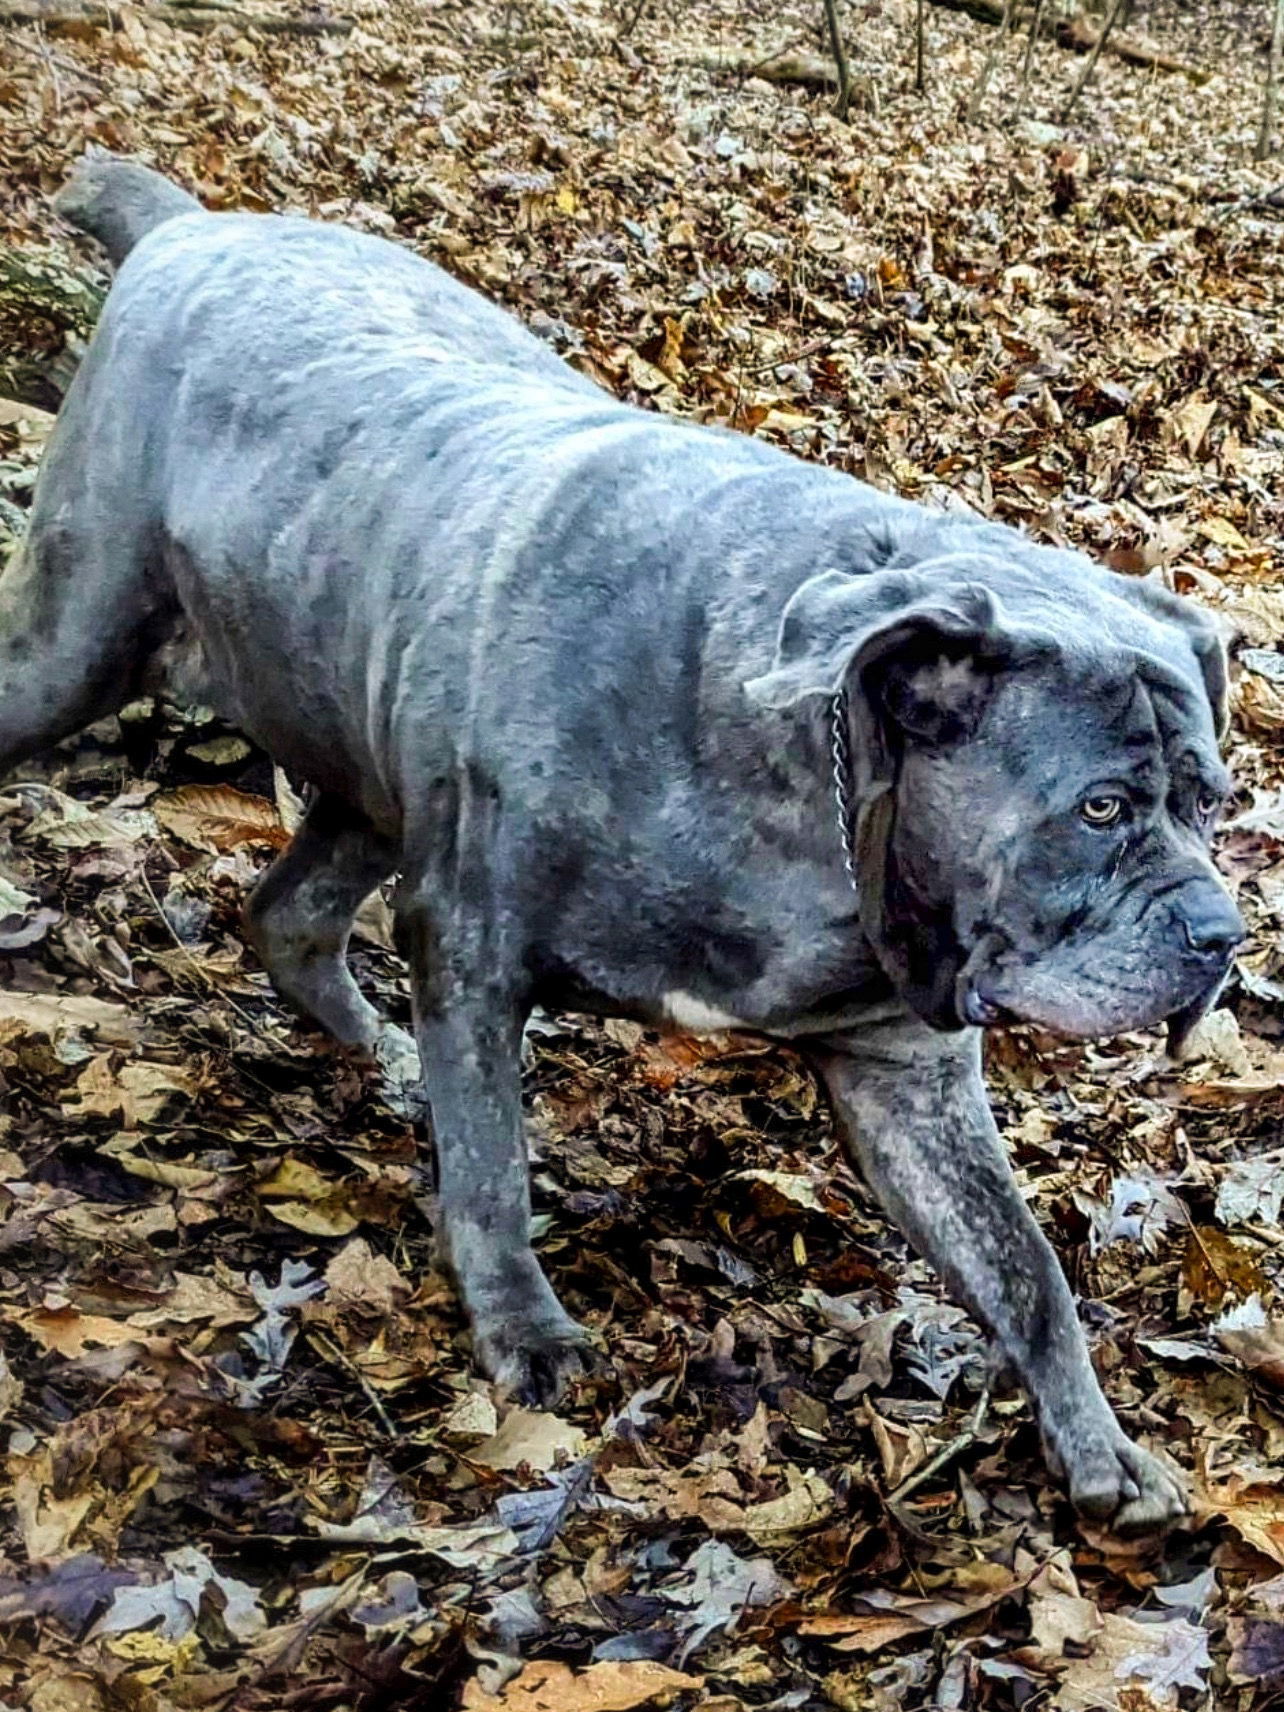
(1102, 811)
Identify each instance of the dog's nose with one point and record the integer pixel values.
(1213, 925)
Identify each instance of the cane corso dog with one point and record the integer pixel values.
(652, 720)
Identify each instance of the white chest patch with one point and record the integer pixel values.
(687, 1012)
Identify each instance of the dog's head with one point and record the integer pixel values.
(1036, 783)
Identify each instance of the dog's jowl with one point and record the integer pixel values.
(652, 720)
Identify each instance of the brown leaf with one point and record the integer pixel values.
(53, 1015)
(68, 1332)
(610, 1686)
(216, 818)
(891, 1616)
(1253, 1507)
(1215, 1265)
(531, 1436)
(368, 1282)
(135, 1092)
(1255, 1340)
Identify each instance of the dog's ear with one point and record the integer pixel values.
(919, 656)
(1203, 634)
(922, 657)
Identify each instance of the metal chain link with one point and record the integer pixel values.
(840, 750)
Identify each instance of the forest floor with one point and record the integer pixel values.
(247, 1465)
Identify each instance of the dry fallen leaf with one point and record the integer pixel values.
(360, 1279)
(1254, 1507)
(133, 1092)
(534, 1437)
(217, 818)
(55, 1015)
(1135, 1666)
(549, 1686)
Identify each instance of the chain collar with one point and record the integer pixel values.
(840, 750)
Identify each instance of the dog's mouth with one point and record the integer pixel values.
(985, 1000)
(978, 1011)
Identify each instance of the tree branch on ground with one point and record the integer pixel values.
(77, 14)
(1081, 35)
(814, 71)
(38, 286)
(40, 282)
(809, 70)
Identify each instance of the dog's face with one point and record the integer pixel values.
(1055, 856)
(1037, 784)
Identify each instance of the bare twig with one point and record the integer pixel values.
(1091, 62)
(920, 54)
(1027, 63)
(1266, 135)
(947, 1453)
(840, 59)
(991, 59)
(334, 1355)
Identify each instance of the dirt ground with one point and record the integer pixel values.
(246, 1464)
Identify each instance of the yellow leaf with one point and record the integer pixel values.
(318, 1219)
(1254, 1508)
(1192, 421)
(1223, 533)
(787, 421)
(609, 1686)
(295, 1180)
(807, 1501)
(132, 1092)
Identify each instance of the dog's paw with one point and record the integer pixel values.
(1120, 1487)
(401, 1086)
(535, 1362)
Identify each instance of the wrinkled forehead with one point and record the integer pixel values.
(1079, 713)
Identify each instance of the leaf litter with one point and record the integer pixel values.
(246, 1464)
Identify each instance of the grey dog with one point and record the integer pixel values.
(652, 720)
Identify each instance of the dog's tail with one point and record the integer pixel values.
(120, 201)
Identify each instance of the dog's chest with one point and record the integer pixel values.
(780, 953)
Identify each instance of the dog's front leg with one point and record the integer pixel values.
(468, 1023)
(911, 1107)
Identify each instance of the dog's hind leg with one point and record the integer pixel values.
(299, 919)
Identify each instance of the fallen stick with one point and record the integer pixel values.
(79, 14)
(1081, 35)
(40, 282)
(811, 70)
(38, 286)
(814, 71)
